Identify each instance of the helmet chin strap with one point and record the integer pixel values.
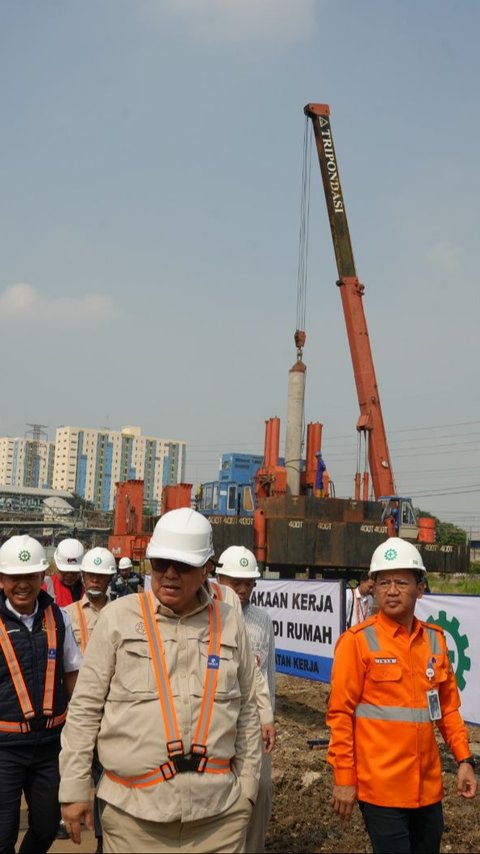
(95, 593)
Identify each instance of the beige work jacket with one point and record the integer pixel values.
(116, 705)
(91, 615)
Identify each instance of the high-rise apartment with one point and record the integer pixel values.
(89, 462)
(26, 462)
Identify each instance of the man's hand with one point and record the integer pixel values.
(269, 737)
(343, 801)
(466, 781)
(72, 815)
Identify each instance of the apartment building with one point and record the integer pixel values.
(89, 462)
(26, 462)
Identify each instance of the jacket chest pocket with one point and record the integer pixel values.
(135, 670)
(385, 673)
(227, 683)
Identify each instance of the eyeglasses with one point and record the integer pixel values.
(160, 564)
(385, 584)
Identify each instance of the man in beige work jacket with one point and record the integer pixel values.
(167, 691)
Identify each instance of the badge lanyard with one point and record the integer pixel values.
(433, 699)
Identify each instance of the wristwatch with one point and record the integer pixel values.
(469, 760)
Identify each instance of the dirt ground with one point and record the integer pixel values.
(302, 819)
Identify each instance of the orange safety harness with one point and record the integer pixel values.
(83, 626)
(179, 761)
(19, 682)
(217, 592)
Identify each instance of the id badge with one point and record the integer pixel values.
(434, 709)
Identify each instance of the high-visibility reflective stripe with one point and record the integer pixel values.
(434, 639)
(14, 726)
(163, 682)
(82, 625)
(216, 590)
(24, 726)
(160, 668)
(372, 638)
(58, 719)
(15, 672)
(392, 713)
(211, 676)
(151, 778)
(51, 662)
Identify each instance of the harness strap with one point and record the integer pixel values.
(51, 662)
(16, 673)
(25, 726)
(211, 676)
(166, 772)
(82, 625)
(175, 747)
(217, 592)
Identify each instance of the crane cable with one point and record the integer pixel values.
(304, 222)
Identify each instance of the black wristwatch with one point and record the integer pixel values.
(469, 760)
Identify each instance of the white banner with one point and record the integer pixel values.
(306, 621)
(458, 616)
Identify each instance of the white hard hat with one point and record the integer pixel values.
(182, 535)
(100, 561)
(125, 563)
(22, 555)
(396, 553)
(68, 555)
(238, 562)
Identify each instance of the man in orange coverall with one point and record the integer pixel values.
(391, 680)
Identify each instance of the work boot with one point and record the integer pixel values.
(62, 832)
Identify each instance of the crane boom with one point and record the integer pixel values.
(370, 421)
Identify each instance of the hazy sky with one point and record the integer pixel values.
(150, 174)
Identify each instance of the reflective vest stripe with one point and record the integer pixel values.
(211, 677)
(434, 639)
(372, 639)
(392, 713)
(82, 625)
(51, 662)
(160, 669)
(24, 726)
(160, 775)
(16, 673)
(14, 726)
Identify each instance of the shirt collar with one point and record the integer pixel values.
(393, 628)
(23, 617)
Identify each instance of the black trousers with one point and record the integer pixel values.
(33, 770)
(394, 830)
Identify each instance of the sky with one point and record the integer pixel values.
(150, 174)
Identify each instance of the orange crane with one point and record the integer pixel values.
(370, 422)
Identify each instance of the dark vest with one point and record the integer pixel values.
(31, 650)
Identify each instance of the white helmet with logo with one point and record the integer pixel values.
(125, 563)
(238, 562)
(22, 555)
(182, 535)
(99, 561)
(68, 555)
(396, 553)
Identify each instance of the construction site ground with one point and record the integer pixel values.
(302, 818)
